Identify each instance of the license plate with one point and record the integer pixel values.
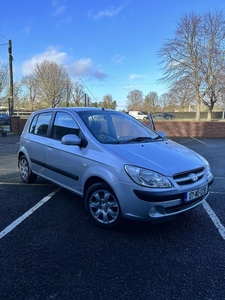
(192, 195)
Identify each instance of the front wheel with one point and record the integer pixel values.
(102, 206)
(25, 171)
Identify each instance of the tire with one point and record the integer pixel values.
(25, 171)
(103, 206)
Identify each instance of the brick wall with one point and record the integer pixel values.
(171, 128)
(17, 124)
(191, 128)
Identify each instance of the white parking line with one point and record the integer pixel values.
(201, 142)
(14, 224)
(214, 218)
(27, 214)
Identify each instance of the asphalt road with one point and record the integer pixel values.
(57, 253)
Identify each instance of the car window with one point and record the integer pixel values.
(98, 123)
(110, 126)
(126, 128)
(64, 124)
(40, 123)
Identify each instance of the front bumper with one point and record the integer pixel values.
(156, 206)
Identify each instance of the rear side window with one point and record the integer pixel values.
(40, 123)
(64, 124)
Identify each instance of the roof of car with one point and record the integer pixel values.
(76, 109)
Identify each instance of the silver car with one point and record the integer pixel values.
(121, 167)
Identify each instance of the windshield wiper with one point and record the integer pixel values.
(136, 139)
(158, 137)
(140, 139)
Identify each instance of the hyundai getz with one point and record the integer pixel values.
(122, 168)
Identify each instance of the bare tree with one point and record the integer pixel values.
(181, 96)
(151, 102)
(108, 102)
(17, 88)
(77, 94)
(52, 82)
(195, 54)
(30, 86)
(135, 100)
(164, 99)
(214, 66)
(4, 82)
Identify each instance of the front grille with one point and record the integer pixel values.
(189, 177)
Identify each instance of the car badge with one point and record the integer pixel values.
(193, 177)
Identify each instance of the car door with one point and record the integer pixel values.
(63, 162)
(36, 140)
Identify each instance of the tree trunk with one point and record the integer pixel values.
(198, 111)
(209, 116)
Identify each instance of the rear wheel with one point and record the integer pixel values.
(102, 206)
(25, 171)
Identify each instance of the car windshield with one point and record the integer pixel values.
(116, 127)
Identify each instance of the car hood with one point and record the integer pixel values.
(166, 157)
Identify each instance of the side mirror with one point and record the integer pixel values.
(71, 140)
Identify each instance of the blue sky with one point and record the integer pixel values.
(110, 45)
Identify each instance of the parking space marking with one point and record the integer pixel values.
(214, 219)
(220, 193)
(14, 224)
(201, 142)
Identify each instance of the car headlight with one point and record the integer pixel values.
(147, 178)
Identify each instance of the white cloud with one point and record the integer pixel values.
(59, 8)
(67, 20)
(51, 54)
(81, 67)
(84, 67)
(118, 58)
(109, 12)
(128, 87)
(136, 76)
